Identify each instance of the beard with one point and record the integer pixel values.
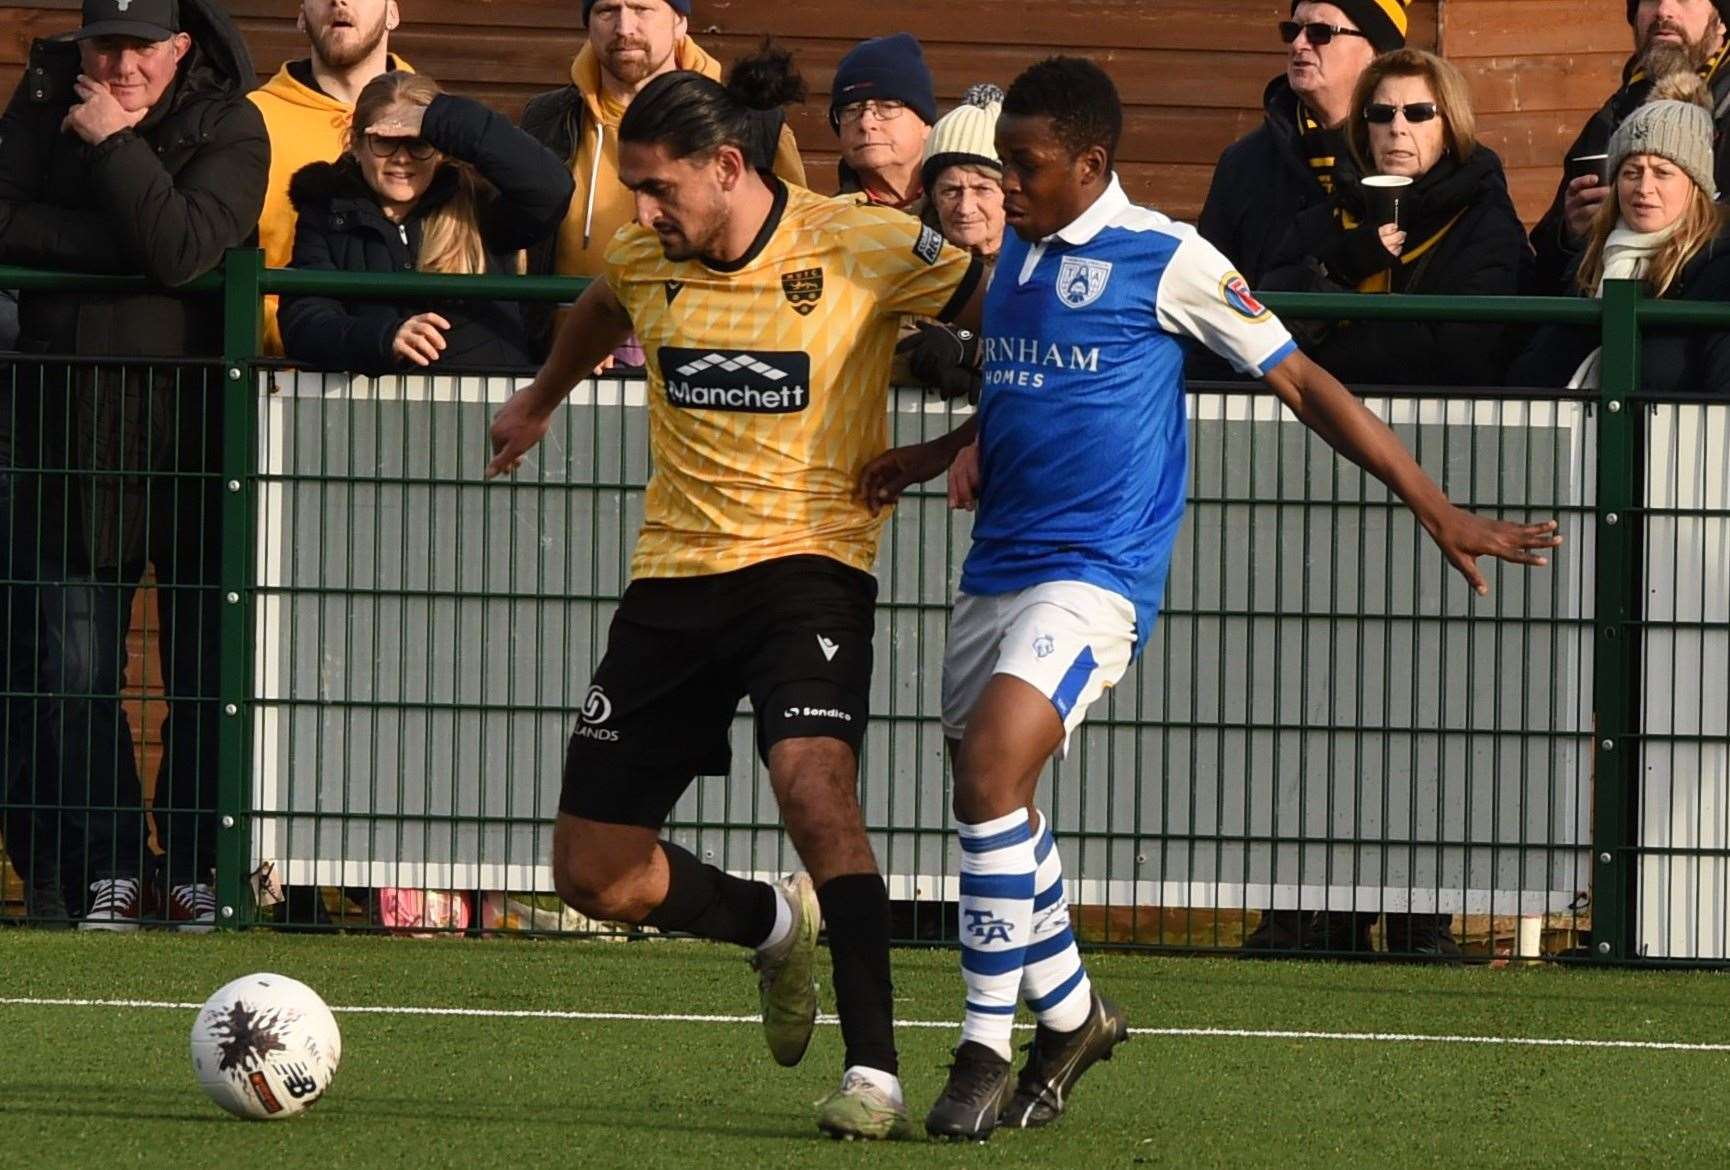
(343, 48)
(702, 242)
(636, 68)
(1659, 58)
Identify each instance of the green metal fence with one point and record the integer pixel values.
(1325, 723)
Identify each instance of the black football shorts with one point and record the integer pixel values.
(794, 634)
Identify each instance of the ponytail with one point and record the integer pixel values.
(690, 114)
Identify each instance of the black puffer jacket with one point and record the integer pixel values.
(342, 228)
(1483, 253)
(1261, 184)
(164, 200)
(1674, 363)
(1557, 258)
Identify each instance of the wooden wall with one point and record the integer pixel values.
(1538, 69)
(1191, 71)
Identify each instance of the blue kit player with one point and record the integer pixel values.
(1083, 466)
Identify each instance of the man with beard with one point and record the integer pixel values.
(307, 107)
(1267, 177)
(1669, 36)
(630, 43)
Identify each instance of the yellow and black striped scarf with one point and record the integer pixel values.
(1383, 281)
(1322, 147)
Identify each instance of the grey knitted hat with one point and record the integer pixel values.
(1672, 125)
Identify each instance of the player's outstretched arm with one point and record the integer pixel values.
(596, 325)
(1334, 413)
(897, 469)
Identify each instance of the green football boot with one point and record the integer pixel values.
(786, 984)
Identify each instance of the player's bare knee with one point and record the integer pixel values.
(815, 779)
(601, 895)
(985, 786)
(604, 871)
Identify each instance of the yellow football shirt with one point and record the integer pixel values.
(768, 381)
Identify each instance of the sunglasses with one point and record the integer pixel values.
(1318, 33)
(1382, 113)
(382, 147)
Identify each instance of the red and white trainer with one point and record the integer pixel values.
(115, 904)
(192, 908)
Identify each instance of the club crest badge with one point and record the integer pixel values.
(803, 289)
(1081, 281)
(1234, 291)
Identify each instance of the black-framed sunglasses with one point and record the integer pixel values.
(383, 146)
(1317, 32)
(1382, 113)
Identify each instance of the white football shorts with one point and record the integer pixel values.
(1069, 640)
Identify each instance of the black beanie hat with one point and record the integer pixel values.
(888, 69)
(1723, 7)
(1383, 21)
(682, 7)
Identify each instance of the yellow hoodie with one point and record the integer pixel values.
(305, 126)
(600, 206)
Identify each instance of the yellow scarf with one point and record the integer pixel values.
(1382, 281)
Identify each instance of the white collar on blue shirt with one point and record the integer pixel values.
(1081, 230)
(1095, 219)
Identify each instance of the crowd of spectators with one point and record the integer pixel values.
(139, 144)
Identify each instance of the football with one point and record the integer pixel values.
(265, 1046)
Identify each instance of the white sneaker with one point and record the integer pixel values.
(192, 908)
(114, 905)
(868, 1106)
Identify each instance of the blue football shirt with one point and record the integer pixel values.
(1084, 441)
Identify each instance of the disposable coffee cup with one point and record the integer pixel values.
(1382, 195)
(1587, 164)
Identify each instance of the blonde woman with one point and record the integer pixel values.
(1661, 225)
(429, 183)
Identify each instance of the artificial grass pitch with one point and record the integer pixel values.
(112, 1086)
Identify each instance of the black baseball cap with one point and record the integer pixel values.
(148, 20)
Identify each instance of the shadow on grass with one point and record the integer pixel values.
(182, 1105)
(139, 1103)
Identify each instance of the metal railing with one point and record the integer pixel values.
(1324, 720)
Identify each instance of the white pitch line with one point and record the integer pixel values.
(693, 1018)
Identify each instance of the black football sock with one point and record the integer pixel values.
(856, 915)
(703, 901)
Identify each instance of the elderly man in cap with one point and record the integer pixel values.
(882, 107)
(1669, 36)
(629, 44)
(1267, 177)
(129, 147)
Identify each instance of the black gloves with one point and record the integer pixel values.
(1354, 256)
(945, 358)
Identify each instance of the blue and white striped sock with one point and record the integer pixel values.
(996, 913)
(1053, 981)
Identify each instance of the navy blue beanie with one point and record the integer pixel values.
(682, 7)
(885, 69)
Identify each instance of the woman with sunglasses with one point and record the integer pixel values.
(1660, 225)
(1454, 232)
(430, 183)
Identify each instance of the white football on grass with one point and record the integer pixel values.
(265, 1046)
